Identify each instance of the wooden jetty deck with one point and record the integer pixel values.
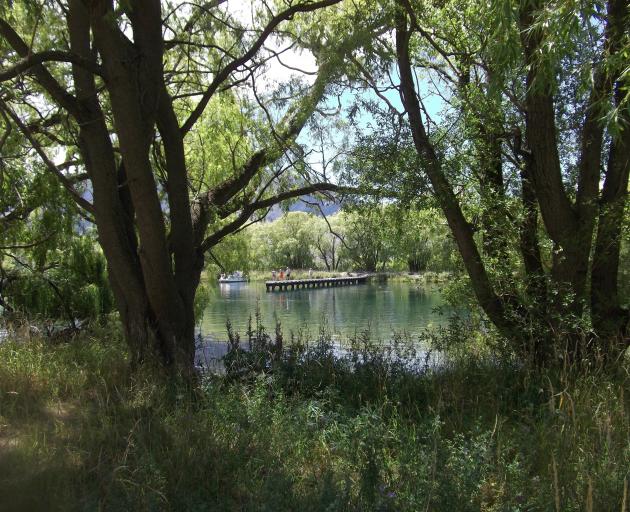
(314, 283)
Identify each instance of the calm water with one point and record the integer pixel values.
(384, 308)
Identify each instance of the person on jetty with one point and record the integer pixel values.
(310, 273)
(288, 272)
(281, 274)
(273, 275)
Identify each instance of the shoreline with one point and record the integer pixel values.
(425, 277)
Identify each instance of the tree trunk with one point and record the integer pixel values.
(154, 252)
(459, 226)
(610, 320)
(157, 314)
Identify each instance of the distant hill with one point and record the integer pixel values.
(329, 208)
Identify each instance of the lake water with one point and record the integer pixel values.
(384, 308)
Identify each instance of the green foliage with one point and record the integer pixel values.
(233, 253)
(218, 145)
(286, 242)
(328, 236)
(50, 264)
(368, 242)
(366, 237)
(422, 239)
(401, 238)
(384, 161)
(65, 283)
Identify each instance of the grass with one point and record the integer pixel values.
(78, 431)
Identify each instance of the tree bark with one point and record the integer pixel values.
(610, 321)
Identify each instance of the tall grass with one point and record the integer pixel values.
(309, 429)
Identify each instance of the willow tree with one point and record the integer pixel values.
(121, 87)
(528, 159)
(48, 268)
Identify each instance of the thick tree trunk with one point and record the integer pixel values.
(113, 205)
(154, 253)
(567, 229)
(610, 320)
(157, 314)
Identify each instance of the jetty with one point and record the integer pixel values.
(294, 284)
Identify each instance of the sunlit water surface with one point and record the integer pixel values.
(383, 308)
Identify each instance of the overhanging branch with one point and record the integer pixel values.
(35, 59)
(65, 181)
(286, 132)
(58, 93)
(223, 74)
(251, 208)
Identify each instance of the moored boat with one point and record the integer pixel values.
(234, 277)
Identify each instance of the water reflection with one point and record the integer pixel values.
(383, 308)
(227, 289)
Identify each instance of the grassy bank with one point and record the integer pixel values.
(79, 432)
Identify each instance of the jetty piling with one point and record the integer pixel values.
(314, 283)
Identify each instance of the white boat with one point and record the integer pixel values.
(235, 277)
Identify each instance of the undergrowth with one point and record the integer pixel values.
(308, 427)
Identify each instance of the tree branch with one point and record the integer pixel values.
(29, 245)
(289, 128)
(35, 59)
(223, 74)
(248, 210)
(58, 93)
(67, 184)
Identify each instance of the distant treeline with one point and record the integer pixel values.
(372, 239)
